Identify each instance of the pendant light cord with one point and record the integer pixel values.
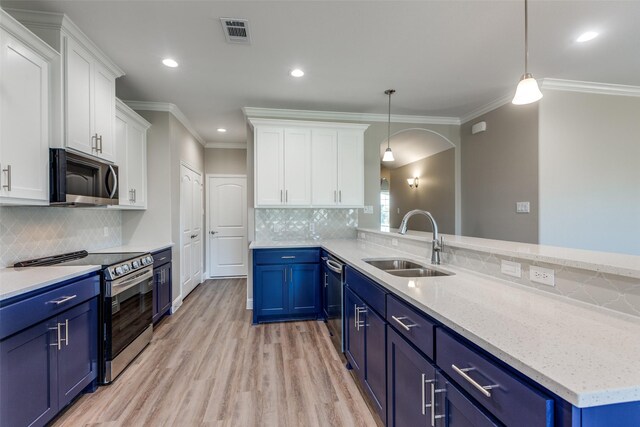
(389, 123)
(526, 38)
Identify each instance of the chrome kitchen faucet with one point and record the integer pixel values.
(436, 244)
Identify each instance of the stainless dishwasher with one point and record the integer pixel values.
(332, 299)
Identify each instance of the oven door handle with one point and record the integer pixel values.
(129, 282)
(334, 266)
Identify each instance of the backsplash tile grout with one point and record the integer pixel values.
(305, 224)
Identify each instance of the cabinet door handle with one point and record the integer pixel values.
(135, 195)
(66, 332)
(484, 389)
(61, 300)
(325, 279)
(286, 196)
(358, 311)
(340, 196)
(288, 257)
(435, 417)
(400, 321)
(8, 184)
(94, 138)
(57, 343)
(281, 200)
(99, 144)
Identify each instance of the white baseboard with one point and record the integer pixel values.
(249, 303)
(204, 276)
(176, 304)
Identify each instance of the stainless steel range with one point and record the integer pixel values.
(126, 306)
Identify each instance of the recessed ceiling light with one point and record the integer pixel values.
(585, 37)
(297, 73)
(222, 130)
(170, 62)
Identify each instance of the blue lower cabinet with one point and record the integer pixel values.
(78, 356)
(410, 376)
(304, 295)
(453, 409)
(354, 332)
(161, 290)
(375, 375)
(286, 285)
(29, 372)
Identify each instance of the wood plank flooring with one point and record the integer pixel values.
(208, 366)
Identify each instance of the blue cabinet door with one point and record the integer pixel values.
(28, 368)
(304, 289)
(324, 277)
(271, 291)
(354, 331)
(375, 374)
(164, 289)
(454, 409)
(409, 378)
(78, 355)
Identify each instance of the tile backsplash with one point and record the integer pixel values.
(305, 224)
(32, 232)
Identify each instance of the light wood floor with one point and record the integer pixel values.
(207, 365)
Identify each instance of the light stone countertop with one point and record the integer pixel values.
(605, 262)
(17, 281)
(143, 247)
(275, 244)
(585, 354)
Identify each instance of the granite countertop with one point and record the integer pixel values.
(17, 281)
(585, 354)
(143, 247)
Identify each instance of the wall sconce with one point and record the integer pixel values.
(413, 182)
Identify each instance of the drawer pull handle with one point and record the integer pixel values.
(400, 321)
(62, 300)
(288, 257)
(484, 389)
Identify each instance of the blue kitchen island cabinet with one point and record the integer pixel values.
(48, 350)
(161, 284)
(286, 284)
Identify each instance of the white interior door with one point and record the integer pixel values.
(227, 218)
(191, 223)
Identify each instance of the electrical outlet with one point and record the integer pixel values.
(362, 236)
(106, 231)
(368, 209)
(394, 242)
(398, 210)
(546, 276)
(511, 268)
(312, 227)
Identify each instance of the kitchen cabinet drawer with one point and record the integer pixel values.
(367, 289)
(286, 256)
(505, 396)
(162, 257)
(414, 326)
(32, 310)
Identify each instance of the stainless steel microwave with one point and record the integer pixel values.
(80, 181)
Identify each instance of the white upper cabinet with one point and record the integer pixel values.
(84, 89)
(131, 159)
(25, 123)
(308, 164)
(350, 168)
(297, 167)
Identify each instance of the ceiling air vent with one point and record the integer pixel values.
(236, 30)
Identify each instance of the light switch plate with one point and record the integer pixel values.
(523, 207)
(511, 268)
(546, 276)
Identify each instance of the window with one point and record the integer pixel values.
(384, 210)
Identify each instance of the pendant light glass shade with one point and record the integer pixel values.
(527, 91)
(388, 155)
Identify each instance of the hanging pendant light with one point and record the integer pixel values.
(527, 90)
(388, 154)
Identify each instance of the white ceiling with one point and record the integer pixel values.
(411, 145)
(444, 58)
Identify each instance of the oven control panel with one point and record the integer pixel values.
(122, 269)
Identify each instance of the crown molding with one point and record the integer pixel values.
(273, 113)
(590, 87)
(280, 122)
(496, 103)
(168, 107)
(124, 108)
(22, 33)
(228, 145)
(61, 22)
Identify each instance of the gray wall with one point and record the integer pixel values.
(590, 171)
(168, 144)
(435, 192)
(500, 168)
(231, 161)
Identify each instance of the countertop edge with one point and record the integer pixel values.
(47, 282)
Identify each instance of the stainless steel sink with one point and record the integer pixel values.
(405, 268)
(393, 264)
(418, 272)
